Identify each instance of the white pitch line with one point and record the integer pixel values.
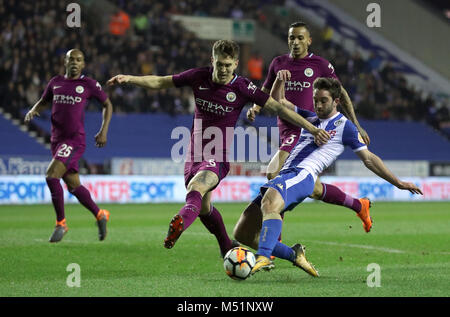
(361, 246)
(371, 247)
(65, 241)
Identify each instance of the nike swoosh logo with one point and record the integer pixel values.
(55, 87)
(203, 88)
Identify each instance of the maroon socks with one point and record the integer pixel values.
(333, 195)
(84, 197)
(214, 223)
(57, 197)
(82, 194)
(191, 209)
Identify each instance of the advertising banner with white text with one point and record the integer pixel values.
(29, 189)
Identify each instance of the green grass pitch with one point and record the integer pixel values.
(409, 241)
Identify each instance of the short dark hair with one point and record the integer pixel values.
(299, 24)
(226, 48)
(330, 84)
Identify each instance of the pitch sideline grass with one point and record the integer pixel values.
(409, 242)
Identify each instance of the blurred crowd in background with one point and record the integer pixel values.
(141, 39)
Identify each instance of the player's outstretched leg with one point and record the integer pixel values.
(270, 231)
(84, 197)
(59, 232)
(296, 255)
(301, 261)
(272, 257)
(277, 162)
(213, 221)
(333, 195)
(185, 217)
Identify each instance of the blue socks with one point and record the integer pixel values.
(268, 238)
(282, 251)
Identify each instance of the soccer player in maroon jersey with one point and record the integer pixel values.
(220, 96)
(298, 70)
(69, 95)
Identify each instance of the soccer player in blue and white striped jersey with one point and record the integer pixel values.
(296, 179)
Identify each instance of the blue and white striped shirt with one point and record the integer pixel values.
(315, 159)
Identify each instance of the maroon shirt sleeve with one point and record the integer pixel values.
(253, 93)
(97, 91)
(47, 95)
(185, 78)
(327, 70)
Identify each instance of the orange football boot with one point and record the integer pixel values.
(364, 213)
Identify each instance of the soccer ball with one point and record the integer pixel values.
(238, 263)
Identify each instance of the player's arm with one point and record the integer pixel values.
(101, 136)
(36, 110)
(150, 81)
(349, 112)
(277, 91)
(376, 165)
(273, 106)
(255, 110)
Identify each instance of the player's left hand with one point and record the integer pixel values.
(364, 135)
(411, 187)
(100, 139)
(284, 75)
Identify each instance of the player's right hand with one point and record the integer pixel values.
(118, 79)
(30, 115)
(253, 112)
(321, 137)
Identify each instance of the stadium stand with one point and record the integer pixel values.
(147, 135)
(17, 142)
(34, 43)
(399, 140)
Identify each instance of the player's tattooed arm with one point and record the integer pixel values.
(320, 136)
(255, 110)
(349, 112)
(376, 165)
(150, 81)
(36, 110)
